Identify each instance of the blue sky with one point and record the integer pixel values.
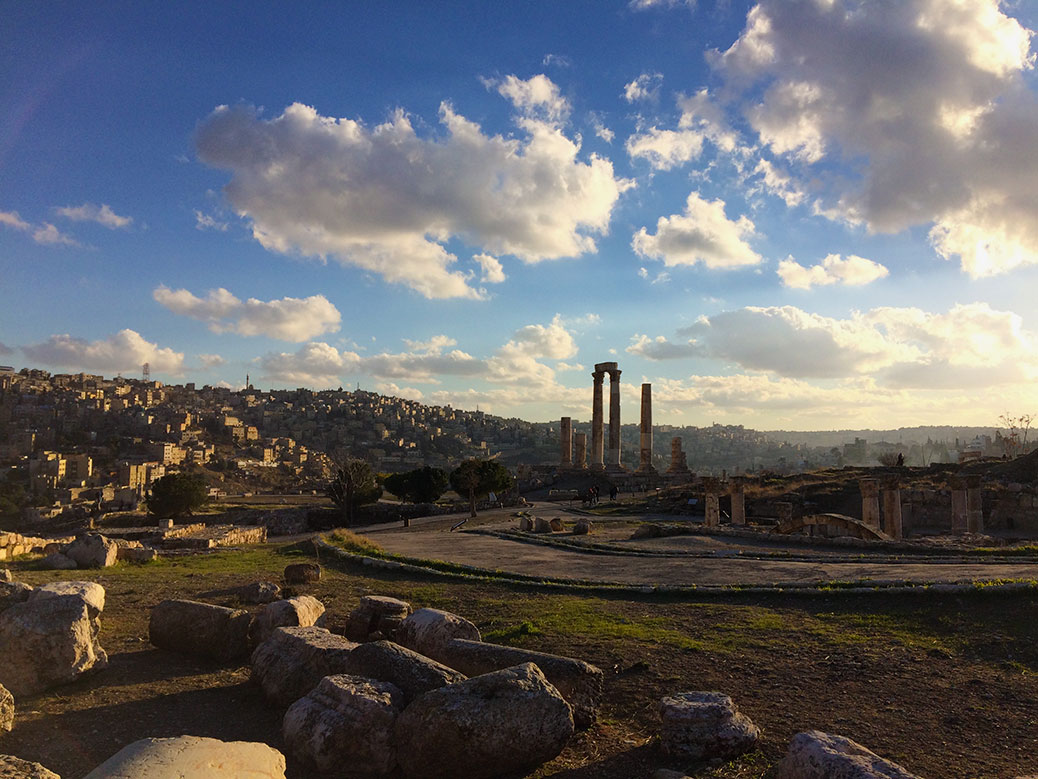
(787, 214)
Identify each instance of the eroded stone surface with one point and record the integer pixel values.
(376, 617)
(345, 722)
(92, 593)
(427, 631)
(704, 725)
(300, 611)
(411, 672)
(14, 768)
(507, 721)
(6, 709)
(294, 660)
(817, 755)
(195, 628)
(56, 561)
(580, 683)
(13, 592)
(192, 756)
(93, 550)
(302, 573)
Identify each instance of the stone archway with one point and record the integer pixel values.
(844, 525)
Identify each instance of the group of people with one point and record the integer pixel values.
(590, 497)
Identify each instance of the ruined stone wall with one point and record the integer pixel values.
(14, 544)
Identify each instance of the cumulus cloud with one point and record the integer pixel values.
(288, 319)
(551, 341)
(644, 5)
(11, 219)
(854, 271)
(89, 212)
(537, 96)
(124, 351)
(315, 364)
(665, 149)
(780, 183)
(659, 348)
(207, 222)
(600, 129)
(702, 234)
(211, 360)
(645, 87)
(49, 235)
(394, 391)
(386, 200)
(940, 130)
(493, 272)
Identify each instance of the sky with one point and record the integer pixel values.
(790, 214)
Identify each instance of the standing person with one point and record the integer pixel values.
(613, 492)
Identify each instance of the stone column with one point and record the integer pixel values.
(614, 419)
(678, 463)
(713, 509)
(580, 450)
(960, 517)
(738, 494)
(566, 442)
(870, 502)
(597, 451)
(645, 460)
(974, 504)
(892, 520)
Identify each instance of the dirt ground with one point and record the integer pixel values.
(945, 685)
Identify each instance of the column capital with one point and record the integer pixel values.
(598, 376)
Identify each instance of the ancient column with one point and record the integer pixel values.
(738, 494)
(580, 450)
(974, 504)
(678, 463)
(713, 509)
(892, 520)
(960, 517)
(645, 452)
(597, 452)
(870, 502)
(614, 419)
(566, 442)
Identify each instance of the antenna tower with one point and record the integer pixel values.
(146, 371)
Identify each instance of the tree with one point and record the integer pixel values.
(1015, 438)
(176, 494)
(353, 485)
(422, 485)
(475, 478)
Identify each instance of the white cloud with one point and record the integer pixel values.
(940, 130)
(5, 349)
(288, 319)
(88, 212)
(600, 129)
(644, 5)
(434, 345)
(702, 234)
(393, 391)
(124, 351)
(537, 97)
(660, 348)
(493, 272)
(385, 199)
(211, 360)
(315, 364)
(565, 366)
(553, 342)
(207, 222)
(557, 60)
(645, 87)
(854, 272)
(11, 219)
(49, 235)
(665, 149)
(779, 183)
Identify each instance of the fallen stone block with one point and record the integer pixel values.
(556, 525)
(302, 573)
(816, 755)
(137, 554)
(195, 628)
(93, 550)
(6, 709)
(579, 683)
(511, 720)
(293, 660)
(648, 530)
(525, 524)
(58, 562)
(259, 592)
(703, 726)
(300, 611)
(583, 527)
(377, 616)
(14, 768)
(346, 721)
(192, 756)
(13, 592)
(48, 642)
(427, 631)
(409, 671)
(5, 575)
(541, 525)
(92, 593)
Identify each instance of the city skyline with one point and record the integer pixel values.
(788, 215)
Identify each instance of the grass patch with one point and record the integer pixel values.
(513, 634)
(355, 543)
(591, 618)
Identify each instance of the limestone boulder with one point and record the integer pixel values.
(259, 592)
(137, 554)
(541, 525)
(703, 726)
(294, 660)
(13, 592)
(579, 683)
(300, 611)
(302, 573)
(556, 525)
(5, 575)
(194, 628)
(648, 530)
(525, 524)
(582, 527)
(6, 709)
(816, 755)
(376, 617)
(192, 756)
(427, 631)
(48, 642)
(409, 671)
(93, 550)
(346, 721)
(56, 561)
(14, 768)
(92, 593)
(507, 721)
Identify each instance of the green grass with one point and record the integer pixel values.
(514, 634)
(355, 543)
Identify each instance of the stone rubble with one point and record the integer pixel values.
(816, 755)
(300, 611)
(93, 550)
(302, 573)
(6, 709)
(409, 671)
(192, 756)
(376, 617)
(427, 631)
(703, 726)
(14, 768)
(195, 628)
(294, 660)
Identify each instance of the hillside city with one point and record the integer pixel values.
(70, 443)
